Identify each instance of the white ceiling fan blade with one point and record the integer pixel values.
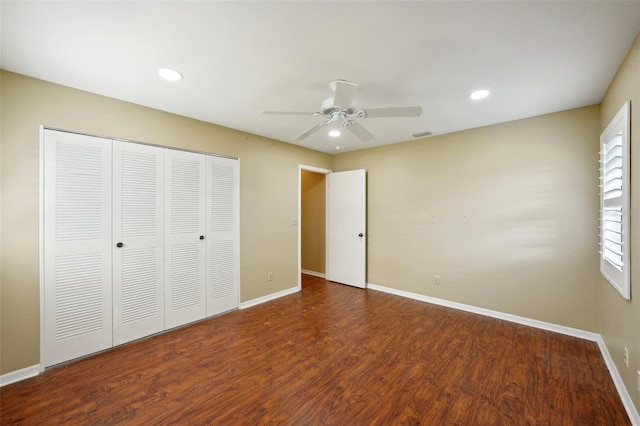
(412, 111)
(360, 132)
(309, 132)
(343, 93)
(286, 113)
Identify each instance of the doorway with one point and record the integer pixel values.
(311, 221)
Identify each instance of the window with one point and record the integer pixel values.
(614, 202)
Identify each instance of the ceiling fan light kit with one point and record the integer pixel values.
(339, 110)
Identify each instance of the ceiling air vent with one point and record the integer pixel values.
(421, 135)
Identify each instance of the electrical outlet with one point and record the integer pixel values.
(626, 357)
(270, 276)
(436, 279)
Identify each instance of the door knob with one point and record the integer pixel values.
(361, 235)
(119, 245)
(202, 237)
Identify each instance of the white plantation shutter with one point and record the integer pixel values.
(614, 202)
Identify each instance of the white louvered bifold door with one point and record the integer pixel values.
(138, 241)
(77, 245)
(222, 208)
(184, 238)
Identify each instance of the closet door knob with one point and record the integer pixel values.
(202, 237)
(119, 245)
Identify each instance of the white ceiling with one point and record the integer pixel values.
(240, 57)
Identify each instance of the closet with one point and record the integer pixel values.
(137, 239)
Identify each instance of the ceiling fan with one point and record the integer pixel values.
(340, 111)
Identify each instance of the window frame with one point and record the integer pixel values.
(614, 203)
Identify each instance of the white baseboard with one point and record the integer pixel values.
(268, 297)
(587, 335)
(617, 380)
(313, 273)
(574, 332)
(18, 375)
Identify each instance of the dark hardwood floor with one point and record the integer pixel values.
(330, 355)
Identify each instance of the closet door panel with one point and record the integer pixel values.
(77, 245)
(138, 226)
(185, 272)
(222, 235)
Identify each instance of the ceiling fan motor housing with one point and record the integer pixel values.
(328, 108)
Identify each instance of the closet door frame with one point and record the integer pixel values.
(43, 340)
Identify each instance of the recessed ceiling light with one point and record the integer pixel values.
(334, 133)
(479, 94)
(169, 74)
(337, 147)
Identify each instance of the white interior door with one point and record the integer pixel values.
(347, 227)
(185, 267)
(138, 241)
(222, 238)
(77, 245)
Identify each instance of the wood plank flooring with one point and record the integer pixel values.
(330, 355)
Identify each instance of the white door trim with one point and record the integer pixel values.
(43, 346)
(302, 167)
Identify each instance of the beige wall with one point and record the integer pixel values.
(313, 221)
(620, 319)
(268, 193)
(506, 215)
